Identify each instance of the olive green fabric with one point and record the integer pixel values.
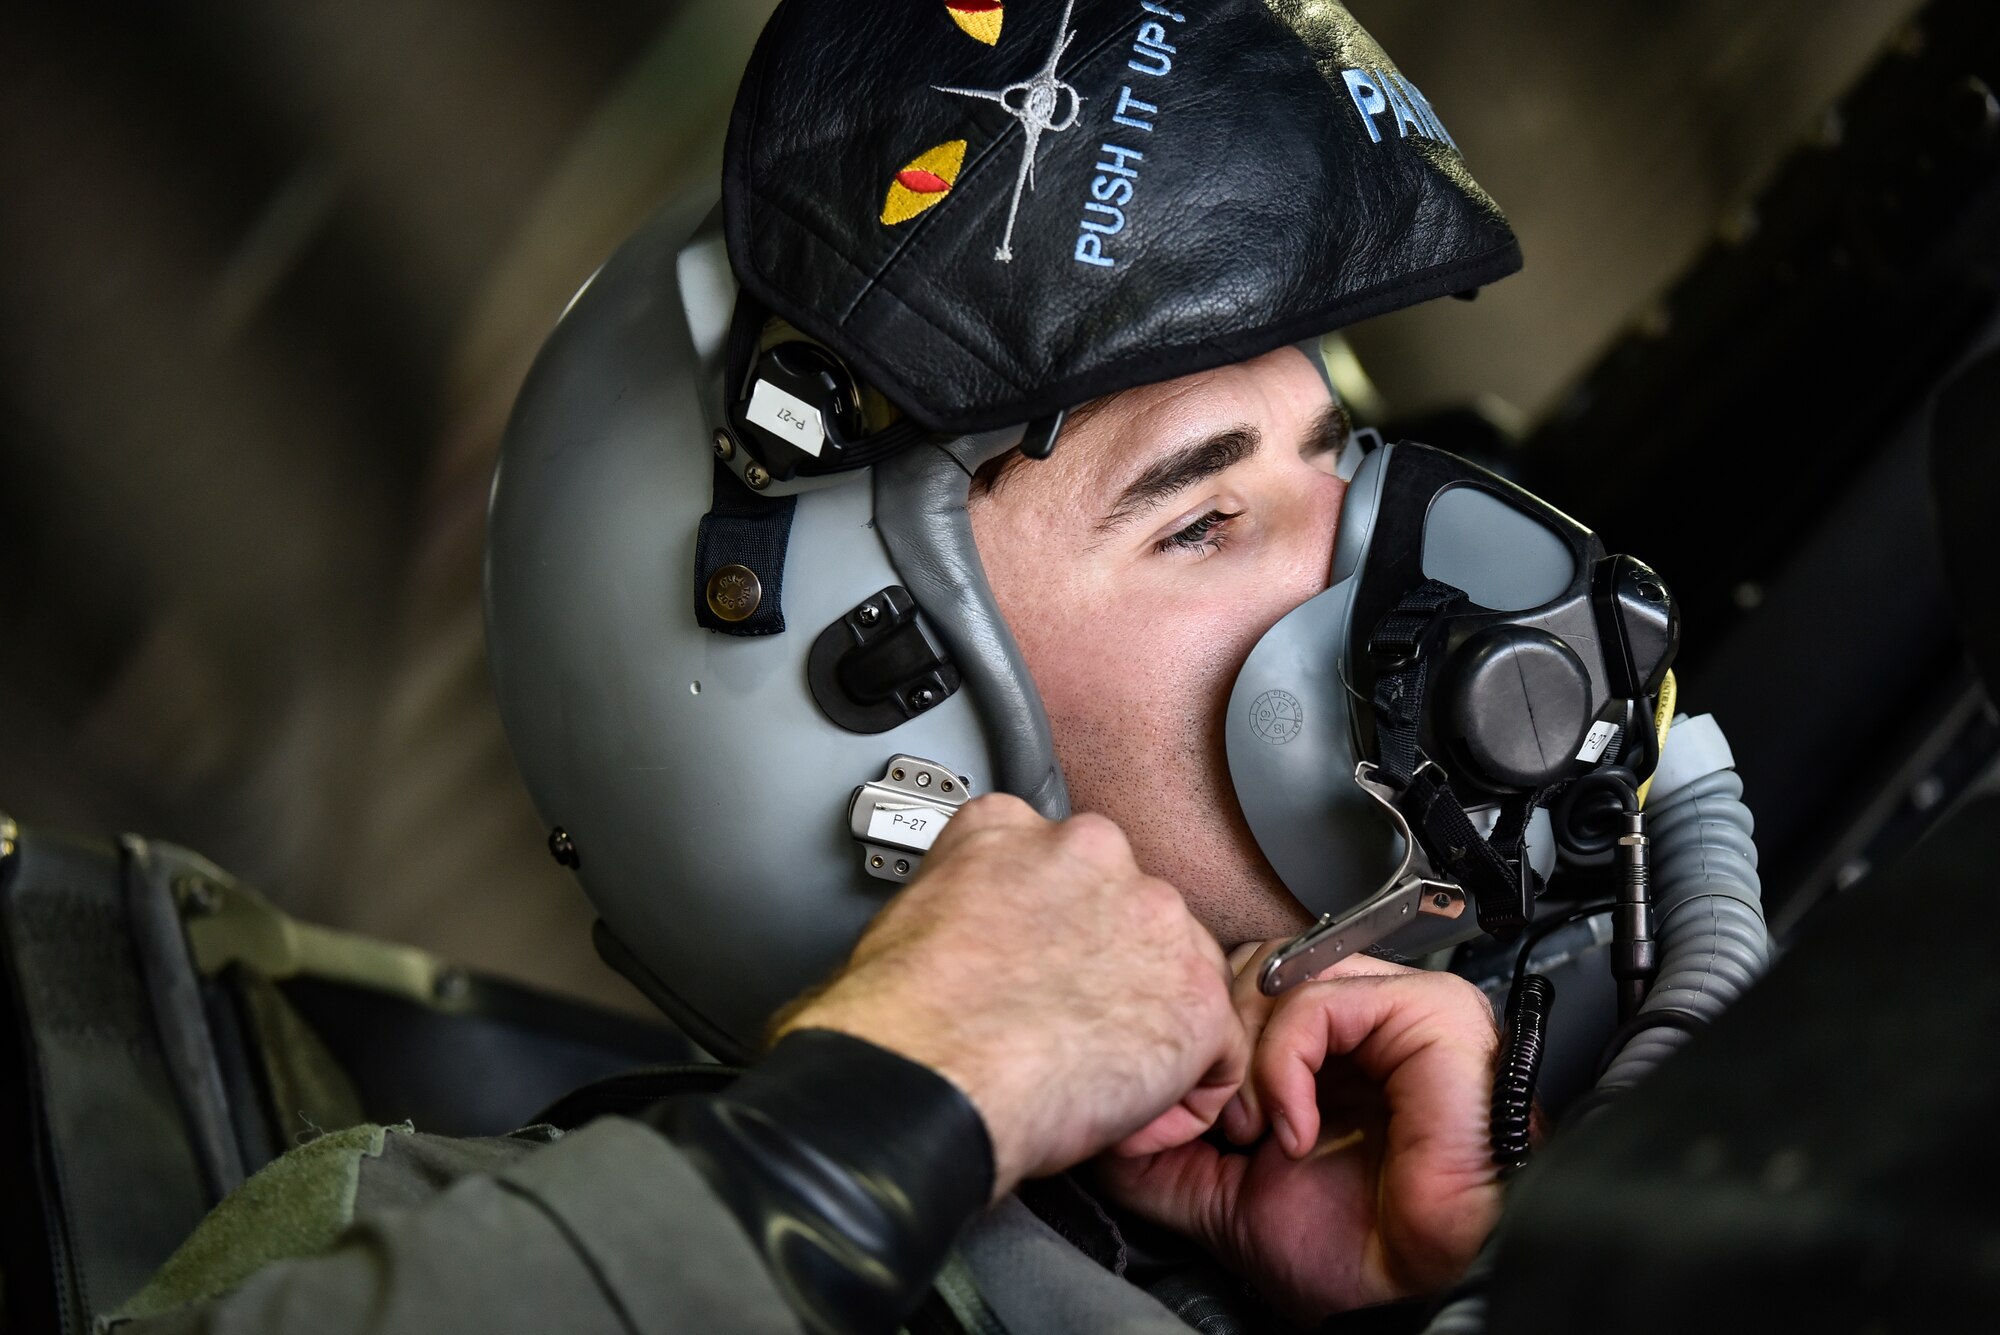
(295, 1206)
(414, 1170)
(607, 1231)
(307, 1088)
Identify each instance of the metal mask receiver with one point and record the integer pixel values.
(1476, 653)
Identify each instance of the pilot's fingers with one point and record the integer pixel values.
(1427, 1039)
(1243, 1120)
(1200, 1106)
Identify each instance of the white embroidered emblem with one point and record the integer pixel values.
(1034, 102)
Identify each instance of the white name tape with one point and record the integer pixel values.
(1596, 740)
(912, 827)
(786, 414)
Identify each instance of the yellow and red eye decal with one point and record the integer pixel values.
(923, 181)
(979, 18)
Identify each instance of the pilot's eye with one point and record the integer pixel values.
(1205, 534)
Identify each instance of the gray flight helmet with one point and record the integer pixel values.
(704, 797)
(976, 239)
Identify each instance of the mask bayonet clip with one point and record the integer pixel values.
(1407, 894)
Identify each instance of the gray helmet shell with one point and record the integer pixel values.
(704, 791)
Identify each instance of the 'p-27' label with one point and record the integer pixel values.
(913, 827)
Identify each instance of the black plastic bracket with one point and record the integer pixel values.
(1640, 623)
(1039, 440)
(879, 666)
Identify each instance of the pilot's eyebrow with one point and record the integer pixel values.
(1328, 432)
(1179, 469)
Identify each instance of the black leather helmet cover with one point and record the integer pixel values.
(1210, 179)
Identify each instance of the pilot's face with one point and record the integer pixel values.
(1138, 566)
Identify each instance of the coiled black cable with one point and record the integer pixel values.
(1520, 1062)
(1526, 1024)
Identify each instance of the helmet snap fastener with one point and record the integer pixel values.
(734, 592)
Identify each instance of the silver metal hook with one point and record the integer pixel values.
(1405, 895)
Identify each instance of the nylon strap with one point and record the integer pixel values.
(1495, 870)
(745, 529)
(1399, 647)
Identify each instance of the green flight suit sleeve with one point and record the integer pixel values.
(610, 1229)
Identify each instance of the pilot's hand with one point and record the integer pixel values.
(1370, 1176)
(1073, 998)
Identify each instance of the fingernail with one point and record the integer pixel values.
(1283, 1127)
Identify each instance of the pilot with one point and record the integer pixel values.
(877, 569)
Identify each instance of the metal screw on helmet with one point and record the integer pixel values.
(923, 698)
(563, 849)
(757, 476)
(450, 984)
(725, 448)
(868, 614)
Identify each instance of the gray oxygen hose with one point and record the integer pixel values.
(1709, 921)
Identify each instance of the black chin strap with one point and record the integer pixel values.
(1495, 870)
